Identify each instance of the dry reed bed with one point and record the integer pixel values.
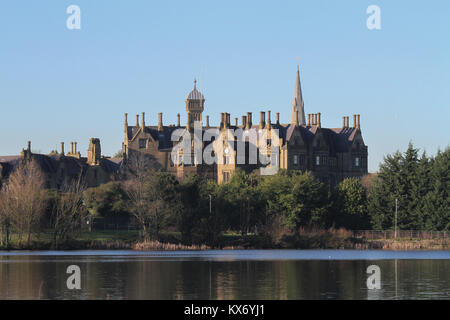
(159, 246)
(438, 244)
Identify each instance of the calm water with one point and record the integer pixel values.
(234, 274)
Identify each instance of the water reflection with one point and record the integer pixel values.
(195, 276)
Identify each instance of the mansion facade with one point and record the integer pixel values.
(331, 154)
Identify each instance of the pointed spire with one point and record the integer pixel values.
(297, 103)
(195, 84)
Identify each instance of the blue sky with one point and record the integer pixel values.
(133, 56)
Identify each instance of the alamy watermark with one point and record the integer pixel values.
(73, 22)
(374, 20)
(74, 280)
(227, 146)
(374, 280)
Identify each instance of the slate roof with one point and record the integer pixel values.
(339, 140)
(51, 163)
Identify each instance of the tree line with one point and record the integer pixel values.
(201, 210)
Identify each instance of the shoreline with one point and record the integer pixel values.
(309, 244)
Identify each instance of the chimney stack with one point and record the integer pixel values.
(318, 120)
(71, 147)
(249, 120)
(222, 120)
(236, 122)
(75, 146)
(178, 119)
(228, 119)
(126, 121)
(207, 121)
(244, 121)
(354, 121)
(278, 118)
(160, 121)
(357, 121)
(137, 120)
(269, 121)
(62, 148)
(262, 119)
(29, 145)
(347, 122)
(343, 122)
(143, 121)
(309, 120)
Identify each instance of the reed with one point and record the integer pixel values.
(436, 244)
(160, 246)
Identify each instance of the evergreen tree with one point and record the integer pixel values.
(386, 188)
(436, 203)
(421, 187)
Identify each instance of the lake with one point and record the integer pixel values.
(225, 274)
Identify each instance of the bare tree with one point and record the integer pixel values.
(5, 217)
(68, 211)
(26, 199)
(137, 173)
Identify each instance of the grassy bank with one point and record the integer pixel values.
(321, 239)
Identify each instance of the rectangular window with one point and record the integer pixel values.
(302, 160)
(357, 162)
(295, 160)
(142, 143)
(226, 176)
(317, 160)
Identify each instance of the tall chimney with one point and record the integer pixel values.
(71, 147)
(347, 122)
(236, 122)
(160, 121)
(62, 148)
(358, 123)
(343, 122)
(75, 146)
(222, 119)
(354, 121)
(262, 119)
(126, 122)
(309, 119)
(29, 145)
(143, 121)
(318, 120)
(228, 120)
(278, 118)
(178, 119)
(244, 121)
(137, 120)
(269, 121)
(249, 120)
(207, 121)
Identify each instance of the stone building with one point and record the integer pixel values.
(331, 154)
(60, 168)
